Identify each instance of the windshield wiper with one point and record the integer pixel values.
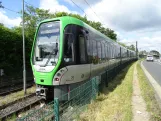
(41, 47)
(55, 51)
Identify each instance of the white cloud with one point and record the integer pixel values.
(10, 22)
(132, 20)
(70, 2)
(129, 15)
(145, 43)
(82, 2)
(53, 6)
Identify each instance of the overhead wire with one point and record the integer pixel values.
(91, 8)
(3, 7)
(79, 7)
(11, 10)
(94, 12)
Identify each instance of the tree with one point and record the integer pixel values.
(1, 24)
(131, 47)
(1, 6)
(122, 44)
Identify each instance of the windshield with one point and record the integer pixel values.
(47, 44)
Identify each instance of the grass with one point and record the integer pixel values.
(148, 95)
(15, 96)
(12, 118)
(115, 101)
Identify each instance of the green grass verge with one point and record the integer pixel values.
(148, 95)
(115, 101)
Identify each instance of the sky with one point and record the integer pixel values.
(132, 20)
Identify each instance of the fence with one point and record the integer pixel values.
(66, 110)
(78, 98)
(12, 79)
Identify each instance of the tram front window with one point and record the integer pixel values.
(47, 44)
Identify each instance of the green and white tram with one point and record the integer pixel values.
(66, 52)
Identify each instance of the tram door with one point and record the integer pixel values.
(82, 49)
(82, 53)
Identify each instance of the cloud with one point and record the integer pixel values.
(145, 43)
(128, 15)
(132, 20)
(83, 2)
(54, 6)
(10, 22)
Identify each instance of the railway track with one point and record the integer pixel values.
(19, 105)
(12, 86)
(45, 113)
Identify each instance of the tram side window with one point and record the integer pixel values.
(114, 56)
(95, 55)
(122, 56)
(99, 51)
(106, 52)
(116, 51)
(82, 49)
(119, 50)
(103, 51)
(111, 52)
(122, 52)
(111, 49)
(127, 53)
(89, 48)
(68, 48)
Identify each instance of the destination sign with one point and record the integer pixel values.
(56, 30)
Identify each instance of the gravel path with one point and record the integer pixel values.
(138, 103)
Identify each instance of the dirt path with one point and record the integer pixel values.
(138, 103)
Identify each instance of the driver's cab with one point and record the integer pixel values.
(46, 48)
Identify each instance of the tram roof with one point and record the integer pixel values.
(71, 20)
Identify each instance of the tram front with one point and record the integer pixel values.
(45, 56)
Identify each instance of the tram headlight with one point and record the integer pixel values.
(56, 79)
(59, 75)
